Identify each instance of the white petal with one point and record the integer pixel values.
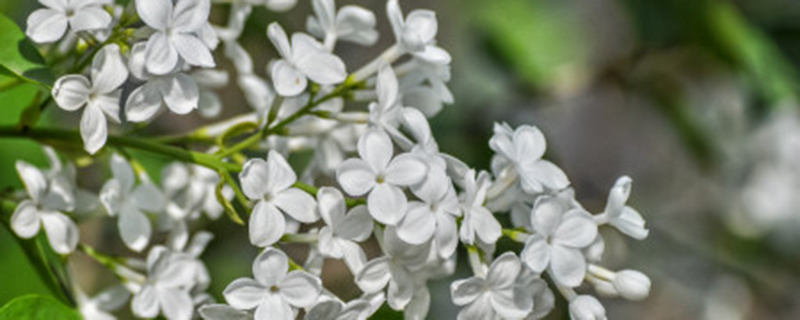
(618, 196)
(209, 104)
(270, 266)
(46, 25)
(418, 225)
(331, 205)
(176, 303)
(274, 307)
(355, 176)
(222, 312)
(357, 25)
(353, 256)
(319, 65)
(395, 16)
(422, 23)
(478, 310)
(536, 253)
(34, 180)
(107, 103)
(143, 103)
(134, 227)
(254, 178)
(387, 204)
(466, 291)
(94, 129)
(514, 303)
(180, 93)
(631, 223)
(325, 310)
(90, 18)
(71, 92)
(297, 204)
(149, 198)
(111, 196)
(122, 172)
(145, 303)
(545, 173)
(504, 271)
(401, 288)
(62, 233)
(280, 40)
(406, 169)
(25, 220)
(387, 86)
(485, 224)
(281, 174)
(161, 56)
(546, 215)
(155, 13)
(357, 224)
(568, 265)
(529, 143)
(374, 276)
(376, 148)
(577, 230)
(288, 81)
(194, 51)
(244, 293)
(266, 224)
(300, 289)
(434, 54)
(446, 235)
(190, 16)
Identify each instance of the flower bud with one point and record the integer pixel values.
(632, 285)
(586, 307)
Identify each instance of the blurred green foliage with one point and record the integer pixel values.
(33, 307)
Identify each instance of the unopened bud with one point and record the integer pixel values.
(632, 285)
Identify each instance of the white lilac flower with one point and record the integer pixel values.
(478, 221)
(626, 219)
(50, 24)
(177, 91)
(269, 184)
(190, 251)
(416, 34)
(178, 35)
(86, 202)
(378, 174)
(123, 199)
(303, 59)
(585, 307)
(386, 113)
(47, 200)
(396, 270)
(190, 190)
(100, 95)
(434, 217)
(560, 234)
(275, 293)
(523, 149)
(166, 289)
(339, 238)
(351, 23)
(101, 306)
(335, 309)
(543, 298)
(497, 295)
(424, 86)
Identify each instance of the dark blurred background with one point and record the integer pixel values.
(695, 100)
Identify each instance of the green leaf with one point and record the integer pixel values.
(35, 307)
(18, 55)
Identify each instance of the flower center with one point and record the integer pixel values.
(274, 289)
(380, 178)
(70, 13)
(268, 196)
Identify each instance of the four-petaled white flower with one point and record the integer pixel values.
(626, 219)
(178, 91)
(434, 216)
(381, 176)
(523, 150)
(121, 199)
(478, 221)
(416, 34)
(275, 292)
(350, 23)
(334, 309)
(178, 35)
(166, 288)
(560, 234)
(269, 183)
(498, 295)
(100, 96)
(48, 197)
(338, 239)
(50, 24)
(101, 306)
(303, 59)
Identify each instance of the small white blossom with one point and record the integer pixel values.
(166, 289)
(560, 235)
(434, 216)
(100, 95)
(378, 174)
(632, 284)
(523, 149)
(179, 29)
(122, 198)
(50, 24)
(586, 307)
(416, 34)
(626, 219)
(498, 295)
(269, 183)
(275, 293)
(303, 59)
(351, 23)
(339, 238)
(478, 221)
(334, 309)
(47, 200)
(103, 304)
